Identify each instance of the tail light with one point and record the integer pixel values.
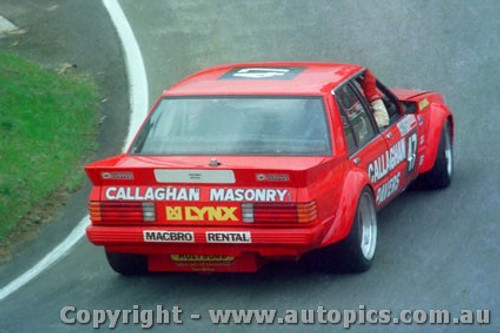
(122, 211)
(280, 213)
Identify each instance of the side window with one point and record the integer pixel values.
(348, 132)
(389, 101)
(355, 118)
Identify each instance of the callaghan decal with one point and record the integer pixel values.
(151, 193)
(404, 150)
(204, 213)
(387, 162)
(170, 193)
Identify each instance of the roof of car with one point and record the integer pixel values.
(269, 78)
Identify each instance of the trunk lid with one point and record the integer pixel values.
(200, 190)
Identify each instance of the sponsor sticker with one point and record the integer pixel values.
(406, 124)
(421, 161)
(195, 176)
(423, 104)
(230, 194)
(118, 175)
(262, 73)
(272, 177)
(200, 258)
(228, 237)
(164, 236)
(412, 153)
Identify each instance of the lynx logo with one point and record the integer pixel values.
(174, 213)
(228, 237)
(204, 213)
(262, 73)
(168, 236)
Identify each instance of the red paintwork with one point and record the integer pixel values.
(434, 117)
(315, 79)
(333, 182)
(406, 94)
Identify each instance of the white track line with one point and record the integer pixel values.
(138, 82)
(58, 252)
(138, 92)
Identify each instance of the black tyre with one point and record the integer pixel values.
(440, 175)
(358, 248)
(127, 264)
(355, 253)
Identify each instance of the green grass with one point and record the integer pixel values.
(47, 129)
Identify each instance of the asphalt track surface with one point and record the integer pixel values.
(437, 250)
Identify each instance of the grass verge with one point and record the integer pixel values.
(47, 129)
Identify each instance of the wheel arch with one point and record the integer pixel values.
(354, 184)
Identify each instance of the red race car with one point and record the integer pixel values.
(240, 164)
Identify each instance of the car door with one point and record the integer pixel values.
(364, 143)
(400, 159)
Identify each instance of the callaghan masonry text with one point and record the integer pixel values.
(160, 315)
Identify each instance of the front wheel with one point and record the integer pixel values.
(440, 175)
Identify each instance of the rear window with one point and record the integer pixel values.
(236, 126)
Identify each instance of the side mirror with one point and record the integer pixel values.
(409, 107)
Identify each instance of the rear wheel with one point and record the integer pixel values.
(358, 248)
(356, 252)
(127, 264)
(440, 175)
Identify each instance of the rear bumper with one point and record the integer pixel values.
(264, 242)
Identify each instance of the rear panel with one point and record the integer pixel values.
(195, 205)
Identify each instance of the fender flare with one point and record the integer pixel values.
(438, 116)
(353, 185)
